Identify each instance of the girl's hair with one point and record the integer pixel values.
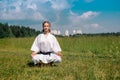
(44, 23)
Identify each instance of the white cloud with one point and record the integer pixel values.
(95, 25)
(76, 18)
(32, 6)
(59, 4)
(12, 14)
(89, 14)
(72, 13)
(9, 16)
(32, 9)
(18, 9)
(37, 16)
(21, 10)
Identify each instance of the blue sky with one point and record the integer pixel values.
(89, 16)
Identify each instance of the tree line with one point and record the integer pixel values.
(97, 34)
(16, 31)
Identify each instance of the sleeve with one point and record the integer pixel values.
(56, 46)
(35, 46)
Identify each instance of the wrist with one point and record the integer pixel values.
(33, 54)
(59, 54)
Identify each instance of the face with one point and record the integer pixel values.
(46, 27)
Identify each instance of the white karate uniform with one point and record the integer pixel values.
(46, 43)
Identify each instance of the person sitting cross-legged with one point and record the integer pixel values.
(45, 48)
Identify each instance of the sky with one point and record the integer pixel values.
(89, 16)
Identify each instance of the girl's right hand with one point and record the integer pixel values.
(33, 54)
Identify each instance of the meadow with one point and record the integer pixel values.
(84, 58)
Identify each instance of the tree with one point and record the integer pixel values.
(16, 31)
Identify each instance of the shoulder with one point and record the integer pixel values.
(51, 35)
(39, 35)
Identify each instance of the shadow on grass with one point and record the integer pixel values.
(31, 64)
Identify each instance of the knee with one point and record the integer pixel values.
(59, 59)
(34, 59)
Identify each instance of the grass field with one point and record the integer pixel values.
(84, 58)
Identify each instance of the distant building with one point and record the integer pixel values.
(55, 32)
(74, 32)
(77, 32)
(66, 33)
(58, 32)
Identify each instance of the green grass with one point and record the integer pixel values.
(84, 58)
